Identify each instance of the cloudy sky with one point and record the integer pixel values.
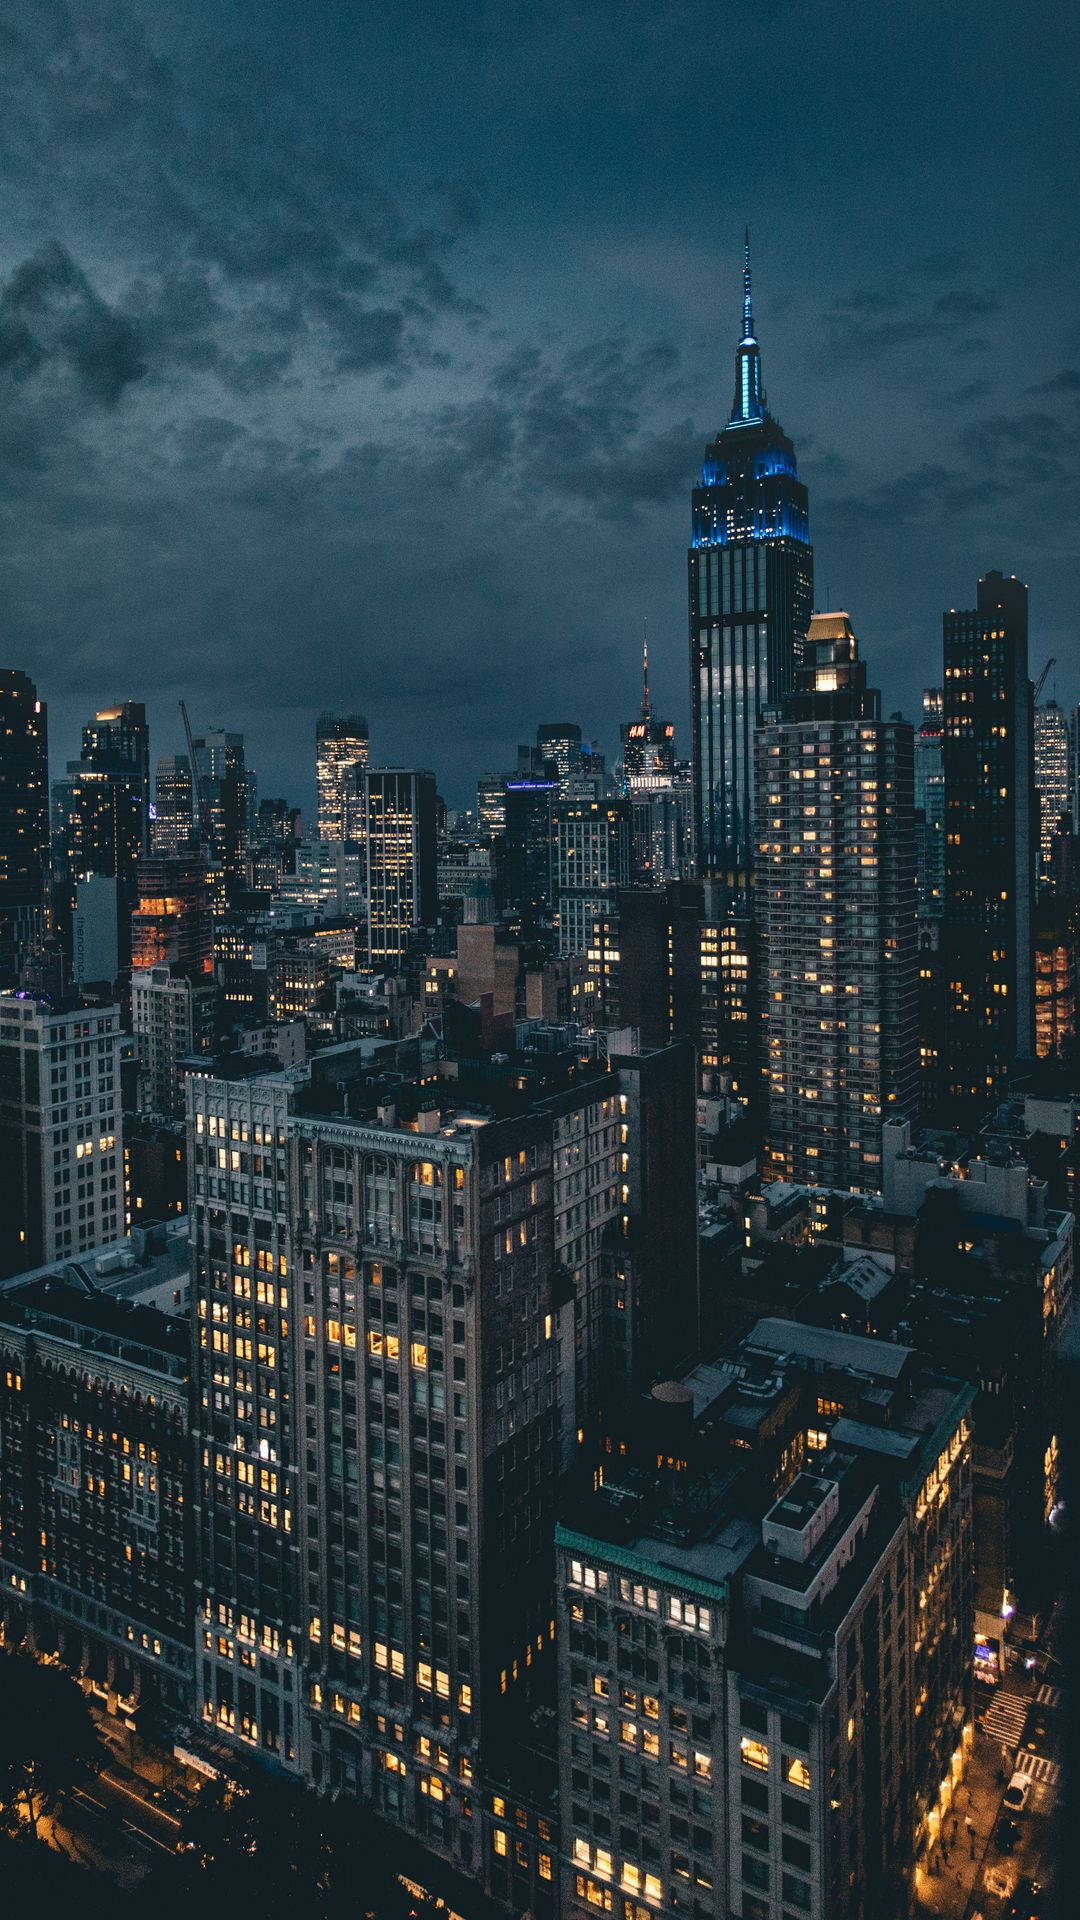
(362, 354)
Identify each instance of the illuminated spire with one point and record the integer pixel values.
(645, 674)
(747, 305)
(749, 385)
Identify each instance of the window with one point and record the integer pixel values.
(755, 1754)
(797, 1772)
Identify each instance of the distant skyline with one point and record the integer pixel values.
(365, 358)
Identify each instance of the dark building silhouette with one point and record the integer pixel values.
(751, 593)
(528, 846)
(104, 813)
(991, 820)
(24, 818)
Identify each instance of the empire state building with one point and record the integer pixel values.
(751, 595)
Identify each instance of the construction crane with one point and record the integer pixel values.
(1041, 681)
(196, 783)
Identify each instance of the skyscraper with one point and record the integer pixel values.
(341, 749)
(397, 828)
(227, 785)
(105, 809)
(990, 826)
(174, 804)
(24, 817)
(591, 849)
(1051, 750)
(751, 593)
(930, 806)
(836, 909)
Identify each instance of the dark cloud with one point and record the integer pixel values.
(53, 323)
(345, 361)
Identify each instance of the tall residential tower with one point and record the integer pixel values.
(991, 827)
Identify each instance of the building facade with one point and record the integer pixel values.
(95, 1497)
(762, 1699)
(61, 1131)
(1052, 779)
(836, 906)
(397, 829)
(990, 840)
(341, 751)
(591, 854)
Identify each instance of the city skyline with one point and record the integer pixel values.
(227, 380)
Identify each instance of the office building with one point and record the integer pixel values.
(408, 1294)
(836, 907)
(559, 745)
(227, 788)
(528, 854)
(95, 1497)
(172, 1017)
(24, 819)
(174, 824)
(648, 744)
(990, 841)
(930, 807)
(1052, 762)
(172, 921)
(591, 861)
(61, 1131)
(751, 594)
(104, 811)
(328, 874)
(341, 751)
(764, 1676)
(397, 829)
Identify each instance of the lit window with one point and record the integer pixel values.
(754, 1753)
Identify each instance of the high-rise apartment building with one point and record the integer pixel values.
(751, 593)
(990, 840)
(1052, 761)
(24, 818)
(174, 823)
(341, 751)
(764, 1640)
(396, 826)
(930, 806)
(836, 907)
(591, 861)
(61, 1131)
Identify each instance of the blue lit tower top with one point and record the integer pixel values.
(751, 596)
(749, 388)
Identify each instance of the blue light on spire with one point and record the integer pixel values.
(749, 387)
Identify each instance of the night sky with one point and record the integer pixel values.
(358, 354)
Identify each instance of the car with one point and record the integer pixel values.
(1006, 1834)
(1017, 1793)
(1026, 1900)
(999, 1881)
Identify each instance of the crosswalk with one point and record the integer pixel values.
(1048, 1696)
(1037, 1767)
(1005, 1716)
